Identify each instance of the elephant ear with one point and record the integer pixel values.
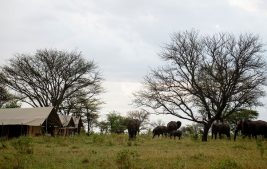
(178, 124)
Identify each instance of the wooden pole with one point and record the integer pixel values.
(46, 126)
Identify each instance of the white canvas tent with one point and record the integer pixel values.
(68, 125)
(28, 121)
(78, 124)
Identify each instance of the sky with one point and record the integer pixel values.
(123, 37)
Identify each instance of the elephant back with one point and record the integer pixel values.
(176, 133)
(160, 129)
(220, 127)
(215, 127)
(259, 127)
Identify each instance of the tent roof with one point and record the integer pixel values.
(24, 116)
(65, 120)
(76, 121)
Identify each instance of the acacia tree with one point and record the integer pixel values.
(242, 114)
(89, 111)
(206, 78)
(116, 122)
(103, 126)
(49, 77)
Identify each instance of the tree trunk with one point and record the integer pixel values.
(88, 123)
(88, 127)
(206, 131)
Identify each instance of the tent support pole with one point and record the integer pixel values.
(46, 126)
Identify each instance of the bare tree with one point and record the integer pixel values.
(159, 122)
(4, 96)
(142, 116)
(206, 78)
(49, 77)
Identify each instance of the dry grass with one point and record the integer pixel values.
(115, 151)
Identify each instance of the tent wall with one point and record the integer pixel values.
(34, 130)
(10, 131)
(52, 123)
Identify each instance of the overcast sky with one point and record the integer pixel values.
(122, 37)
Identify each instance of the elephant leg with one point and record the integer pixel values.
(135, 134)
(229, 136)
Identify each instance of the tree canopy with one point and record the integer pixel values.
(242, 114)
(116, 122)
(206, 78)
(49, 77)
(4, 96)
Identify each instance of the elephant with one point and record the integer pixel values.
(160, 130)
(251, 128)
(176, 133)
(220, 128)
(173, 125)
(133, 126)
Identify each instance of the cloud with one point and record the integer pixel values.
(119, 95)
(254, 6)
(122, 37)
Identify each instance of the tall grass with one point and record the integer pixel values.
(115, 151)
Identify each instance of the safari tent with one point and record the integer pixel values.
(68, 125)
(78, 124)
(16, 122)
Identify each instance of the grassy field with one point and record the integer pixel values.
(115, 151)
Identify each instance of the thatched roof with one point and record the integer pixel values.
(24, 116)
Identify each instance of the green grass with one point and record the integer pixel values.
(115, 151)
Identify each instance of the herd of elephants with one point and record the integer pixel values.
(248, 128)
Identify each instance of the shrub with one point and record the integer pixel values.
(129, 143)
(125, 159)
(194, 136)
(23, 145)
(98, 139)
(3, 145)
(199, 156)
(226, 164)
(85, 160)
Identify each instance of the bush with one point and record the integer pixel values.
(226, 164)
(194, 136)
(125, 159)
(23, 145)
(97, 139)
(3, 145)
